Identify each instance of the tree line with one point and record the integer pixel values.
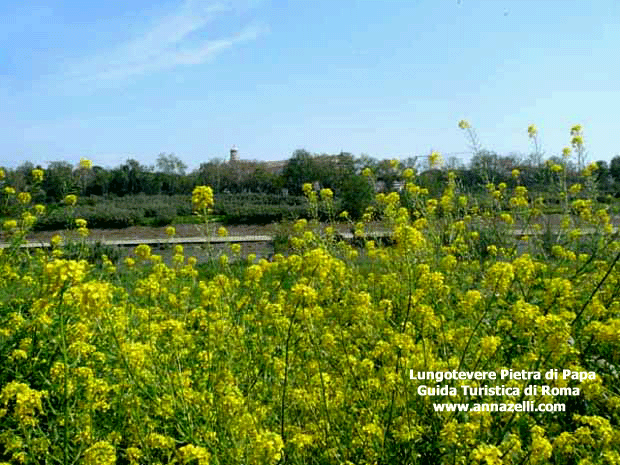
(341, 172)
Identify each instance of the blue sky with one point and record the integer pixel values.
(131, 79)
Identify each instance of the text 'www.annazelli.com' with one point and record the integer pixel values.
(526, 406)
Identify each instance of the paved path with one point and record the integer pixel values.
(241, 239)
(157, 241)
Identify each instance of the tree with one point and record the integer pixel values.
(99, 184)
(614, 168)
(130, 178)
(171, 164)
(299, 169)
(365, 161)
(59, 180)
(602, 175)
(357, 194)
(486, 164)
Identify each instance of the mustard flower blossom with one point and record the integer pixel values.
(24, 198)
(10, 225)
(37, 175)
(85, 164)
(327, 194)
(56, 241)
(202, 197)
(435, 160)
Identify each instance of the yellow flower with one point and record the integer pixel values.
(100, 453)
(435, 160)
(190, 452)
(24, 198)
(366, 172)
(202, 197)
(2, 174)
(575, 188)
(576, 130)
(235, 248)
(394, 163)
(577, 141)
(222, 231)
(39, 209)
(10, 224)
(56, 240)
(507, 218)
(566, 152)
(515, 173)
(143, 251)
(80, 223)
(85, 164)
(556, 168)
(9, 190)
(71, 199)
(307, 188)
(171, 231)
(28, 219)
(37, 175)
(464, 124)
(327, 194)
(532, 131)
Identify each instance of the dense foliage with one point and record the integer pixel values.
(306, 359)
(339, 172)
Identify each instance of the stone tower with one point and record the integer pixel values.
(233, 153)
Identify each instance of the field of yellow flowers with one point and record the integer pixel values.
(307, 358)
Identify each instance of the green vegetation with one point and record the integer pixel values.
(257, 192)
(307, 358)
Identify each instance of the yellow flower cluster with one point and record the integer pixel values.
(307, 357)
(37, 175)
(86, 164)
(202, 198)
(435, 160)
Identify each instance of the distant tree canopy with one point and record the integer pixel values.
(341, 172)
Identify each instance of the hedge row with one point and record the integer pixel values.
(159, 210)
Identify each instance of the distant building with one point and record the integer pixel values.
(273, 167)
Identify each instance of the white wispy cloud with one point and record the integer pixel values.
(179, 39)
